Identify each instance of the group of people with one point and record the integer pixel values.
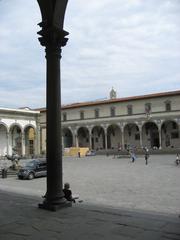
(146, 155)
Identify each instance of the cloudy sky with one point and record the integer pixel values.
(131, 45)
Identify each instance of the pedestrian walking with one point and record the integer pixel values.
(133, 156)
(146, 156)
(177, 159)
(79, 154)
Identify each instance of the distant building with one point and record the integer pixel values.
(19, 132)
(151, 120)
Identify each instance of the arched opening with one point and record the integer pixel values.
(3, 140)
(114, 137)
(29, 134)
(15, 140)
(170, 134)
(67, 138)
(150, 135)
(83, 137)
(98, 138)
(131, 135)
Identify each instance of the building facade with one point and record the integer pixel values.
(150, 120)
(19, 132)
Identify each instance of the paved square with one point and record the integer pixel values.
(115, 182)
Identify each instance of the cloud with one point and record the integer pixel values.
(119, 43)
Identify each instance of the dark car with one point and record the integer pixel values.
(32, 169)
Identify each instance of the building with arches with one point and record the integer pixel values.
(151, 120)
(19, 132)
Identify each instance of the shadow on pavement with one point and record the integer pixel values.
(20, 218)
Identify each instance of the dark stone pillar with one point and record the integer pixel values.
(53, 38)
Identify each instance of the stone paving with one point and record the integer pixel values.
(121, 200)
(115, 182)
(20, 219)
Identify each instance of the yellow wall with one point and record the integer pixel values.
(73, 151)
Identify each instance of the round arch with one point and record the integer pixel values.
(131, 135)
(67, 138)
(98, 138)
(150, 135)
(170, 134)
(29, 137)
(83, 137)
(114, 137)
(30, 126)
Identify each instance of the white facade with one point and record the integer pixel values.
(19, 132)
(152, 120)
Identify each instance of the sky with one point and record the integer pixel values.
(130, 45)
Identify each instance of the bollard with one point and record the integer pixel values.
(4, 173)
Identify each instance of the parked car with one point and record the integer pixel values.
(32, 169)
(91, 153)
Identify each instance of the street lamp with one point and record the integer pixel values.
(53, 38)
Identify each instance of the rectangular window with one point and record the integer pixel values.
(168, 106)
(82, 115)
(147, 107)
(129, 110)
(96, 111)
(112, 110)
(64, 117)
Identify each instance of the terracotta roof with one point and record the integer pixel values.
(116, 100)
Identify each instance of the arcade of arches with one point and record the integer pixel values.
(157, 135)
(17, 139)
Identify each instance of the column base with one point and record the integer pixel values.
(54, 206)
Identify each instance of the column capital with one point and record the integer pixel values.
(53, 13)
(52, 37)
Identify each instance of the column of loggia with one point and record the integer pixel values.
(9, 152)
(160, 136)
(90, 136)
(23, 143)
(53, 40)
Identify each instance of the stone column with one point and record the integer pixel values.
(9, 152)
(141, 137)
(90, 137)
(53, 38)
(90, 141)
(159, 124)
(37, 131)
(36, 140)
(105, 134)
(122, 136)
(160, 137)
(23, 143)
(76, 140)
(74, 136)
